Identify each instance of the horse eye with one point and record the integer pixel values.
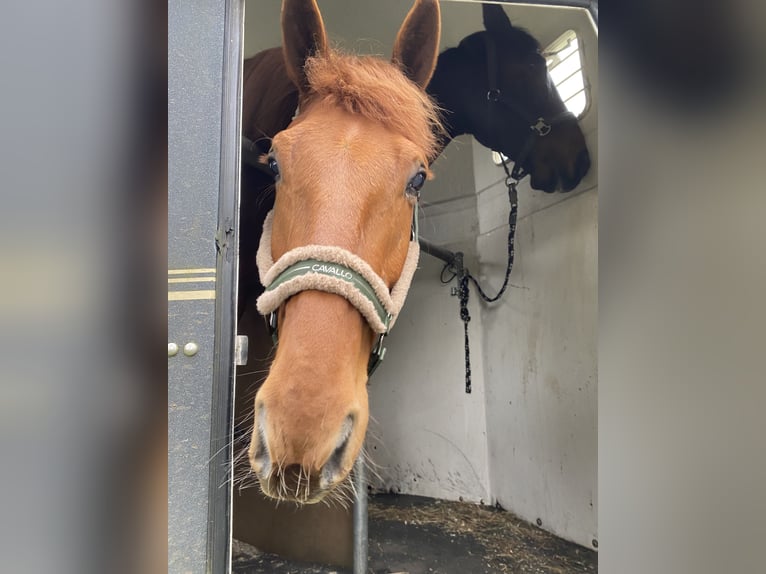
(273, 166)
(537, 62)
(417, 181)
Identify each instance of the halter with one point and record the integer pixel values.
(539, 125)
(338, 271)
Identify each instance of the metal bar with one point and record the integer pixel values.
(566, 3)
(573, 74)
(222, 405)
(590, 5)
(435, 251)
(360, 517)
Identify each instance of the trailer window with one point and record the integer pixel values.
(565, 67)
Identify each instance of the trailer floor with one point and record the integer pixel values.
(416, 535)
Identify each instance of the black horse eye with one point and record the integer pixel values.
(273, 166)
(537, 62)
(417, 181)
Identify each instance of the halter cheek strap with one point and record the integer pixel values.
(539, 125)
(338, 271)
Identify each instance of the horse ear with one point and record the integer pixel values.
(303, 36)
(495, 18)
(417, 44)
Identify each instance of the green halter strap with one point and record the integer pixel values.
(356, 280)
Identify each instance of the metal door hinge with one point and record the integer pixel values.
(240, 350)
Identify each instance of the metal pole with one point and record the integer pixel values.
(360, 518)
(590, 5)
(435, 251)
(565, 3)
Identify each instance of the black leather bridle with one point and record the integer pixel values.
(539, 125)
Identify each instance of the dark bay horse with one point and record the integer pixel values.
(338, 251)
(460, 86)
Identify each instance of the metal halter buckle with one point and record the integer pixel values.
(542, 127)
(493, 95)
(272, 324)
(376, 355)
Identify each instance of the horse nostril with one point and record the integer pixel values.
(333, 467)
(259, 450)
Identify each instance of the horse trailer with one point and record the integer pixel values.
(484, 406)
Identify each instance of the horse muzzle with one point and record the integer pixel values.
(286, 473)
(550, 178)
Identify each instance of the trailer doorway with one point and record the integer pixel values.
(525, 440)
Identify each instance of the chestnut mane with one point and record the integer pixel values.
(377, 90)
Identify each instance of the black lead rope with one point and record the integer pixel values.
(540, 127)
(464, 276)
(513, 200)
(465, 317)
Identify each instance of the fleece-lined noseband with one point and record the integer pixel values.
(334, 270)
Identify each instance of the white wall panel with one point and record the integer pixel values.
(428, 437)
(541, 368)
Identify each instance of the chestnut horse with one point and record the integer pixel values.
(338, 251)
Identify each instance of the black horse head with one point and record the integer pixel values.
(495, 85)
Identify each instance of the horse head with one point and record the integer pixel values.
(348, 171)
(497, 87)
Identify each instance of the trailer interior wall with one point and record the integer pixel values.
(526, 436)
(530, 423)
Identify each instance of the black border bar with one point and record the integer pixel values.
(227, 240)
(590, 5)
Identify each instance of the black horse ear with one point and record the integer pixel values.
(495, 18)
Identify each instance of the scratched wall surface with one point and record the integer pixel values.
(428, 437)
